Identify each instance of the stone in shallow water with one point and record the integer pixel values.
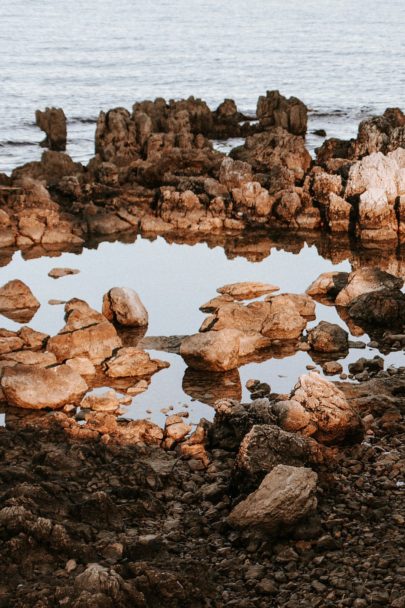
(123, 305)
(58, 273)
(328, 338)
(31, 387)
(285, 496)
(131, 362)
(17, 302)
(103, 402)
(365, 280)
(247, 290)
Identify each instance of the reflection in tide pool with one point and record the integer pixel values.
(173, 281)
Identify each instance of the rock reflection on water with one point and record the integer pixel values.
(210, 387)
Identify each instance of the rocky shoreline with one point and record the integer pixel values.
(286, 500)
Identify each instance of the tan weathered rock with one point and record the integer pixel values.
(28, 357)
(365, 280)
(30, 387)
(328, 285)
(247, 290)
(318, 409)
(215, 303)
(53, 122)
(124, 306)
(86, 333)
(275, 110)
(102, 402)
(338, 214)
(237, 316)
(284, 321)
(285, 496)
(58, 273)
(212, 351)
(234, 174)
(82, 365)
(131, 362)
(17, 302)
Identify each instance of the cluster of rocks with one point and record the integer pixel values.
(271, 516)
(156, 170)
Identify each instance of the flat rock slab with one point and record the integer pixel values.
(58, 273)
(36, 388)
(247, 290)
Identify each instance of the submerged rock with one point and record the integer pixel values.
(31, 387)
(17, 302)
(285, 496)
(317, 408)
(123, 305)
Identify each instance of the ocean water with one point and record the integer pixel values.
(344, 59)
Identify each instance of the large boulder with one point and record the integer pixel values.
(53, 122)
(123, 305)
(275, 110)
(32, 387)
(285, 497)
(86, 333)
(317, 408)
(365, 280)
(384, 308)
(234, 173)
(328, 338)
(222, 350)
(17, 302)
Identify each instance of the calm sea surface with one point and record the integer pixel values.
(344, 59)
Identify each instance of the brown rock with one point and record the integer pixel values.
(285, 496)
(57, 273)
(328, 338)
(53, 122)
(17, 302)
(124, 306)
(30, 387)
(131, 362)
(247, 290)
(365, 280)
(275, 110)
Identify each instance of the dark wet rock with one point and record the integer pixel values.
(266, 446)
(384, 308)
(234, 419)
(275, 110)
(285, 496)
(328, 338)
(375, 364)
(53, 122)
(17, 302)
(331, 368)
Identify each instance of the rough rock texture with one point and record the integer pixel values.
(365, 280)
(30, 387)
(247, 290)
(124, 306)
(132, 362)
(53, 122)
(384, 308)
(328, 338)
(86, 333)
(328, 285)
(275, 110)
(285, 496)
(17, 302)
(221, 350)
(318, 409)
(265, 446)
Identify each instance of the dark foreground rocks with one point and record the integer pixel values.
(87, 522)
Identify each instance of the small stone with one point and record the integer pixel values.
(70, 565)
(57, 273)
